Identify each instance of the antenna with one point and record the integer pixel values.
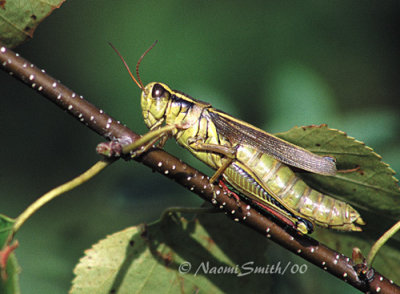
(138, 81)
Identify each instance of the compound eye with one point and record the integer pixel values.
(158, 91)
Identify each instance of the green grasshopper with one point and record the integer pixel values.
(252, 161)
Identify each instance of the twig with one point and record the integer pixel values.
(173, 168)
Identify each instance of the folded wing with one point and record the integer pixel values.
(241, 132)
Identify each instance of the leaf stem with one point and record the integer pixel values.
(35, 206)
(380, 242)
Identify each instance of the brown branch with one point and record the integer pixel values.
(329, 260)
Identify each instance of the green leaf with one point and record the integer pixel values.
(11, 284)
(372, 187)
(19, 19)
(6, 225)
(164, 257)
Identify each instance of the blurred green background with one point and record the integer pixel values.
(272, 64)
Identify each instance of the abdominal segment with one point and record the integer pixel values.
(264, 179)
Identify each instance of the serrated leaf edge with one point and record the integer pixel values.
(371, 150)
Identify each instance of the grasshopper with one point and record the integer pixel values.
(252, 161)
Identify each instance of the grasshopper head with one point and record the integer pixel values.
(154, 102)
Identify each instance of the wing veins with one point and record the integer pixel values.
(243, 133)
